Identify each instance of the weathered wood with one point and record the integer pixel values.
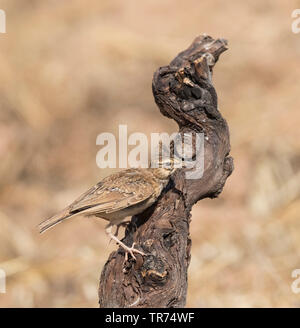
(162, 231)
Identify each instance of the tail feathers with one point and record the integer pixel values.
(54, 220)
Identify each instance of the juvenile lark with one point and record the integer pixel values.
(118, 196)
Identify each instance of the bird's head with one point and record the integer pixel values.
(165, 167)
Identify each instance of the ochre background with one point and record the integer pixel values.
(70, 70)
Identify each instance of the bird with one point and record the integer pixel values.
(118, 196)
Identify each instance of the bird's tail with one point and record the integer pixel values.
(54, 220)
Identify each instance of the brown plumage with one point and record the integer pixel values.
(116, 197)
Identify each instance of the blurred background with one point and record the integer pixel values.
(70, 70)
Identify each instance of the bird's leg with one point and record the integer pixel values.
(117, 230)
(123, 224)
(127, 249)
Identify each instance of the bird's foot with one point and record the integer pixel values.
(131, 250)
(128, 250)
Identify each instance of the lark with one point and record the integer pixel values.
(118, 196)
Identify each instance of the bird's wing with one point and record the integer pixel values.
(112, 194)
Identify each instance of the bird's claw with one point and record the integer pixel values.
(131, 250)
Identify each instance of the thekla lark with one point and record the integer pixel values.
(118, 196)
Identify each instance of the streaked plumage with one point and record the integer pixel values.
(116, 197)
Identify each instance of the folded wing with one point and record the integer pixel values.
(105, 197)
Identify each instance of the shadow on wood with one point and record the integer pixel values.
(184, 92)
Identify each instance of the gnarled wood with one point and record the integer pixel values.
(184, 92)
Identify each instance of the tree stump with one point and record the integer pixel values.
(183, 91)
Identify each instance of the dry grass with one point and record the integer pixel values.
(69, 71)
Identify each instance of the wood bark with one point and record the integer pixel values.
(184, 92)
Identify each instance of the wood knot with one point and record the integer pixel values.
(154, 271)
